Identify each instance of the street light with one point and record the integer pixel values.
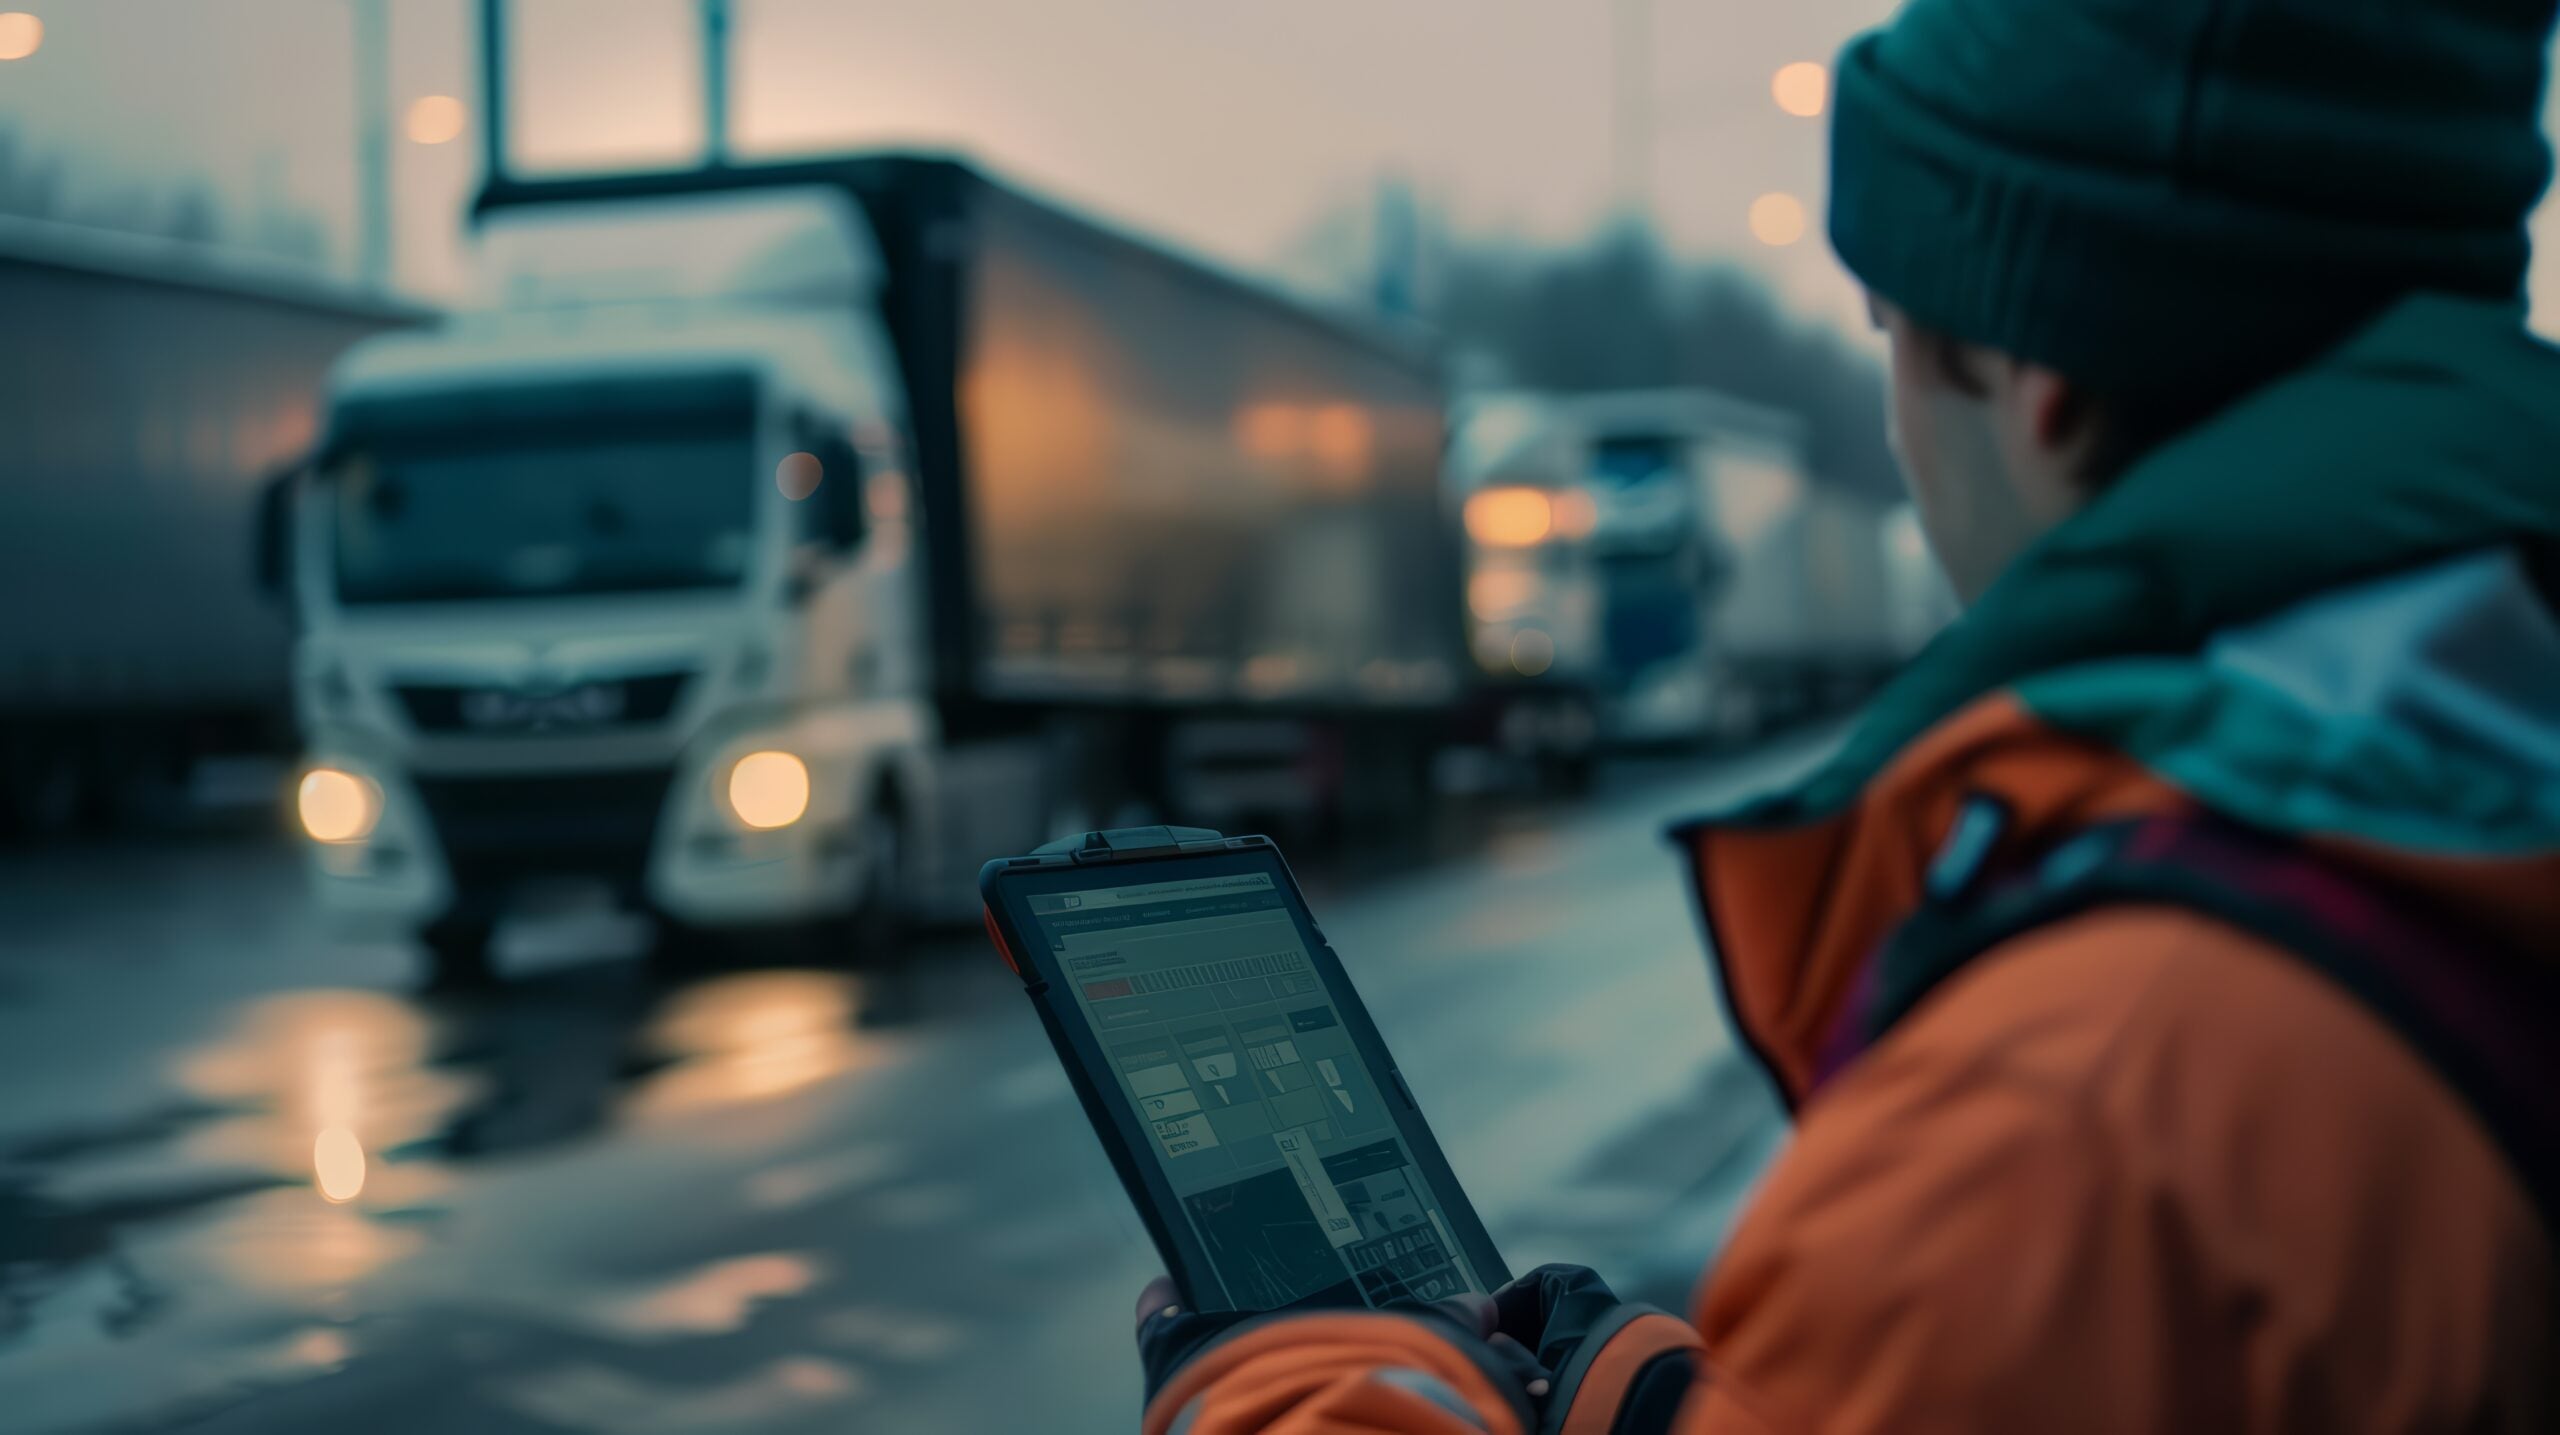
(1777, 219)
(435, 119)
(21, 35)
(1801, 89)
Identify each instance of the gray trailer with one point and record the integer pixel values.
(146, 389)
(1101, 528)
(1145, 482)
(1819, 592)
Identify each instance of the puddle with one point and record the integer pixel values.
(715, 1300)
(616, 1402)
(324, 1137)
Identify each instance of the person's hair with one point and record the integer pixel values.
(2132, 424)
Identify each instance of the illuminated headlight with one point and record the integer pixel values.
(1518, 516)
(769, 789)
(337, 806)
(1512, 517)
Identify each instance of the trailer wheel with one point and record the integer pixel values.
(457, 952)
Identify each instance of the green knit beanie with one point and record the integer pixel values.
(2146, 194)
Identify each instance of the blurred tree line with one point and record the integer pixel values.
(1614, 312)
(32, 186)
(1617, 313)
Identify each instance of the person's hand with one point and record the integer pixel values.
(1481, 1316)
(1169, 1335)
(1551, 1310)
(1564, 1317)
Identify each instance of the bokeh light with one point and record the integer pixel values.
(1802, 89)
(21, 35)
(1342, 441)
(335, 806)
(1777, 219)
(1497, 593)
(337, 1164)
(1576, 513)
(1509, 517)
(1271, 431)
(769, 789)
(1532, 652)
(798, 475)
(436, 119)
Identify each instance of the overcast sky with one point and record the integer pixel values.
(1228, 125)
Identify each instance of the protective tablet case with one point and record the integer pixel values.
(1124, 1133)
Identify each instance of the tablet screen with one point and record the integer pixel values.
(1271, 1130)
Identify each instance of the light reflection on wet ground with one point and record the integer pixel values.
(248, 1181)
(314, 1141)
(751, 1038)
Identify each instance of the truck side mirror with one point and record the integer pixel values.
(271, 544)
(841, 517)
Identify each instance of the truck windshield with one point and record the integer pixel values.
(1624, 460)
(527, 518)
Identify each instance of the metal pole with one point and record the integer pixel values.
(373, 145)
(1631, 54)
(493, 91)
(715, 81)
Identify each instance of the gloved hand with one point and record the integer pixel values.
(1564, 1316)
(1169, 1335)
(1552, 1309)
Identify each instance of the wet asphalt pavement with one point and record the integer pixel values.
(603, 1199)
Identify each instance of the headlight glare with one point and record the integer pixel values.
(336, 805)
(769, 789)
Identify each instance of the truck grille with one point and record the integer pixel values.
(499, 830)
(575, 707)
(1649, 612)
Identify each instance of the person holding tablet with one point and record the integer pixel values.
(2163, 973)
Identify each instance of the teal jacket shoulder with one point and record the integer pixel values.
(2434, 432)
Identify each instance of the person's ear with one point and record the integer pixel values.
(2061, 422)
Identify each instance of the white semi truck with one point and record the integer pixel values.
(781, 542)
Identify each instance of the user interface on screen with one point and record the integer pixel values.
(1275, 1137)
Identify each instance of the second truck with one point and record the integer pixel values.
(775, 543)
(1658, 566)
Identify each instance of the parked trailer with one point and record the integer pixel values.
(1820, 592)
(146, 387)
(1080, 504)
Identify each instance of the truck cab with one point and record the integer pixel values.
(1609, 536)
(610, 583)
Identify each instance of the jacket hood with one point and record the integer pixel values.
(2317, 615)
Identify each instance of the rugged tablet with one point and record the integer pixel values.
(1246, 1101)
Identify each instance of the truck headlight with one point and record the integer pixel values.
(769, 789)
(337, 806)
(1509, 517)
